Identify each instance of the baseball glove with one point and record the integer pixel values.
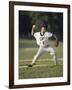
(56, 43)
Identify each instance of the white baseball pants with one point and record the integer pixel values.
(42, 50)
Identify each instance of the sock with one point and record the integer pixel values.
(55, 59)
(34, 60)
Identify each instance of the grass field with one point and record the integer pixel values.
(44, 66)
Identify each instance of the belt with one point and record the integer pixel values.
(45, 46)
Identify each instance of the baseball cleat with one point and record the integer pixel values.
(29, 65)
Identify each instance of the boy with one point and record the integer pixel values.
(43, 43)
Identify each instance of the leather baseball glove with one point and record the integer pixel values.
(56, 43)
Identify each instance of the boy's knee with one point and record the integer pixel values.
(53, 53)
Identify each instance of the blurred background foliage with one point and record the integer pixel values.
(53, 21)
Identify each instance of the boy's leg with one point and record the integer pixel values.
(53, 54)
(55, 59)
(39, 53)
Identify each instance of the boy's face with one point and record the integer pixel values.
(43, 29)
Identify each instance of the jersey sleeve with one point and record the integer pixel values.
(49, 34)
(36, 34)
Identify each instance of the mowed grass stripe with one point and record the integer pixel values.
(36, 66)
(40, 60)
(40, 63)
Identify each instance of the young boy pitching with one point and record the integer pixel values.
(42, 40)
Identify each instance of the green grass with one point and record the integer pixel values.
(27, 50)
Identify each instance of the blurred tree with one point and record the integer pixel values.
(53, 21)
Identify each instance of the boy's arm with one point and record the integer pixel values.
(56, 42)
(33, 30)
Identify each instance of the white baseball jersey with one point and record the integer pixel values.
(42, 40)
